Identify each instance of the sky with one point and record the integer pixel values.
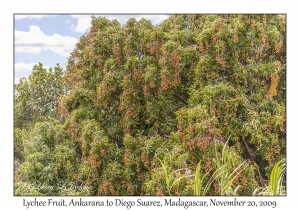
(49, 39)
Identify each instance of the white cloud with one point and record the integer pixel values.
(83, 23)
(67, 21)
(35, 41)
(36, 17)
(17, 80)
(23, 67)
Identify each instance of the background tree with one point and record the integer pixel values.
(35, 100)
(36, 96)
(50, 161)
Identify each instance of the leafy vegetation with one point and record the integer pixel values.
(192, 106)
(275, 186)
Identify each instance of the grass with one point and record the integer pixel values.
(224, 176)
(275, 187)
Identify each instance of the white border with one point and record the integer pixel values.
(8, 201)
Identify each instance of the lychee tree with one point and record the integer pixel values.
(145, 104)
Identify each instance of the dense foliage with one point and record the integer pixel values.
(192, 106)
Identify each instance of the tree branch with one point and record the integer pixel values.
(180, 98)
(253, 162)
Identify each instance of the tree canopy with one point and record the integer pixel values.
(145, 110)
